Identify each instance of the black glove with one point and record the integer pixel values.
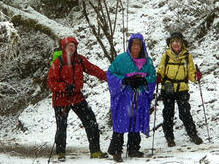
(127, 81)
(70, 89)
(134, 81)
(141, 81)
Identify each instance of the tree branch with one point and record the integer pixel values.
(114, 27)
(108, 17)
(94, 32)
(105, 28)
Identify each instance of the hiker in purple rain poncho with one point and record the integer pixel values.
(131, 79)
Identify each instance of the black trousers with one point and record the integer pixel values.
(182, 99)
(88, 120)
(117, 142)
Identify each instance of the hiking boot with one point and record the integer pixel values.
(117, 158)
(135, 153)
(99, 154)
(196, 139)
(171, 143)
(61, 157)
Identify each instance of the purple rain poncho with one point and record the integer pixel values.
(130, 110)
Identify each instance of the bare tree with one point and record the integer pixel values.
(104, 23)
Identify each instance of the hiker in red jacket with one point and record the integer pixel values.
(65, 80)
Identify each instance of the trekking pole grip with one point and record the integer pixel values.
(197, 70)
(196, 66)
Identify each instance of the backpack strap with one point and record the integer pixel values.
(61, 60)
(81, 62)
(187, 65)
(167, 63)
(186, 59)
(186, 78)
(165, 66)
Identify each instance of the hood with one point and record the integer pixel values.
(144, 53)
(67, 40)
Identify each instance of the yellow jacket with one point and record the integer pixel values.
(177, 68)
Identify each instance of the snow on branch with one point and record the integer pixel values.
(8, 32)
(8, 42)
(33, 19)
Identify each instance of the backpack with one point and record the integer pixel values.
(57, 53)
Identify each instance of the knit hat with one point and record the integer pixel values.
(177, 35)
(67, 40)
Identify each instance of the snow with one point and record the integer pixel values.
(29, 13)
(39, 122)
(11, 31)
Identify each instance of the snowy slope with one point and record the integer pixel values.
(39, 122)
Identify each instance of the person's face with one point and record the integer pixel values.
(70, 48)
(136, 48)
(176, 45)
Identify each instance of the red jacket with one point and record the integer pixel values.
(57, 81)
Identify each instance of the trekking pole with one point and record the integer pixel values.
(155, 111)
(50, 155)
(197, 69)
(131, 118)
(135, 109)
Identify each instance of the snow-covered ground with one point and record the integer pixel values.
(39, 121)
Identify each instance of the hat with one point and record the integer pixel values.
(176, 35)
(67, 40)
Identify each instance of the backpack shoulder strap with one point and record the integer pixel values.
(187, 66)
(62, 63)
(61, 60)
(166, 60)
(81, 62)
(165, 66)
(187, 59)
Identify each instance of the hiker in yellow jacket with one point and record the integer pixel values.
(175, 70)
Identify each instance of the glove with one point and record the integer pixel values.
(139, 81)
(158, 79)
(127, 81)
(134, 81)
(198, 75)
(70, 89)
